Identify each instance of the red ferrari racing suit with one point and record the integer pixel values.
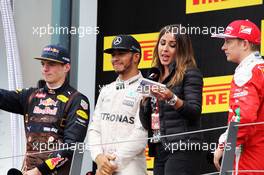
(247, 106)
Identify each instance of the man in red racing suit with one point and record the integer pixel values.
(55, 116)
(242, 39)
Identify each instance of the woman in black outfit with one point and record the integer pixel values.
(175, 109)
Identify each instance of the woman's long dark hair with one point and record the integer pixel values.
(184, 57)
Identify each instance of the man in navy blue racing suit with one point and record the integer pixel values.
(56, 116)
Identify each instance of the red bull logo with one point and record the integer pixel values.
(40, 95)
(48, 102)
(46, 110)
(53, 162)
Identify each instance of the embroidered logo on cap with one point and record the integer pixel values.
(117, 40)
(50, 49)
(245, 29)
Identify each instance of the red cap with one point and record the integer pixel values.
(243, 29)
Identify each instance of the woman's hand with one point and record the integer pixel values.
(166, 95)
(161, 93)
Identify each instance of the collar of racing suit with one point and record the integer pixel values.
(58, 90)
(130, 80)
(248, 59)
(243, 72)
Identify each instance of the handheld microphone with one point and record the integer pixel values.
(154, 74)
(14, 171)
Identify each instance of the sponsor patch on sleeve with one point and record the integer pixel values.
(84, 104)
(53, 162)
(82, 114)
(18, 90)
(63, 98)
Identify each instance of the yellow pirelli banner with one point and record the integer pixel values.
(149, 160)
(262, 37)
(216, 92)
(195, 6)
(147, 42)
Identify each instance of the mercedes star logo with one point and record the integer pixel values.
(117, 40)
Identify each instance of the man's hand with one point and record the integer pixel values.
(34, 171)
(217, 156)
(104, 165)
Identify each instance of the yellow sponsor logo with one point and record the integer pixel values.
(63, 98)
(262, 37)
(147, 43)
(216, 92)
(82, 114)
(195, 6)
(18, 90)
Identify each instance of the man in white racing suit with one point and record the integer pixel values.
(116, 137)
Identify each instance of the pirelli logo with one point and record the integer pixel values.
(196, 6)
(216, 92)
(147, 43)
(262, 38)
